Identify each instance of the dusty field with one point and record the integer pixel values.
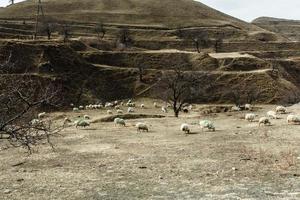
(238, 161)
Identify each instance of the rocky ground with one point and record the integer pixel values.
(239, 161)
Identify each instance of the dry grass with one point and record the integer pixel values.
(111, 162)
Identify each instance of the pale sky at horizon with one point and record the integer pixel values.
(247, 9)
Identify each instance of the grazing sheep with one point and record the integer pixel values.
(281, 110)
(119, 121)
(264, 121)
(141, 127)
(185, 110)
(67, 120)
(82, 123)
(235, 108)
(293, 119)
(99, 106)
(190, 107)
(130, 104)
(130, 110)
(119, 111)
(86, 117)
(155, 105)
(108, 105)
(35, 122)
(72, 105)
(164, 109)
(116, 102)
(76, 109)
(272, 115)
(81, 108)
(142, 106)
(207, 124)
(185, 128)
(248, 107)
(41, 115)
(250, 117)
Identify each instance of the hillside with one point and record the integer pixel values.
(234, 54)
(285, 27)
(167, 13)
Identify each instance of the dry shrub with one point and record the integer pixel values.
(287, 159)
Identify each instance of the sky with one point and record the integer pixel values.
(248, 9)
(251, 9)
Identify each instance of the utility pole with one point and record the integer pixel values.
(12, 2)
(39, 14)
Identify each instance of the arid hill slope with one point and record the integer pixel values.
(287, 28)
(166, 13)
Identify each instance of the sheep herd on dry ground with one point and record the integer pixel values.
(116, 107)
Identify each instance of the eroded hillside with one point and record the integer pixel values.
(235, 57)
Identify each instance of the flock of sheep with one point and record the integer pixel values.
(291, 118)
(140, 126)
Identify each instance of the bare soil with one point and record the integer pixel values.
(239, 161)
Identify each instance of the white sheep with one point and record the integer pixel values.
(185, 128)
(99, 106)
(75, 109)
(86, 117)
(35, 122)
(293, 119)
(155, 105)
(130, 104)
(41, 115)
(119, 121)
(82, 123)
(272, 115)
(248, 106)
(190, 107)
(119, 111)
(141, 127)
(235, 108)
(281, 110)
(81, 108)
(108, 105)
(250, 117)
(72, 105)
(207, 124)
(142, 106)
(130, 110)
(264, 121)
(164, 109)
(109, 112)
(67, 121)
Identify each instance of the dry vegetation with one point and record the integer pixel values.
(238, 161)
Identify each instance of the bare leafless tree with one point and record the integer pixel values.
(65, 32)
(124, 37)
(178, 89)
(141, 72)
(219, 41)
(11, 2)
(20, 101)
(202, 40)
(100, 31)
